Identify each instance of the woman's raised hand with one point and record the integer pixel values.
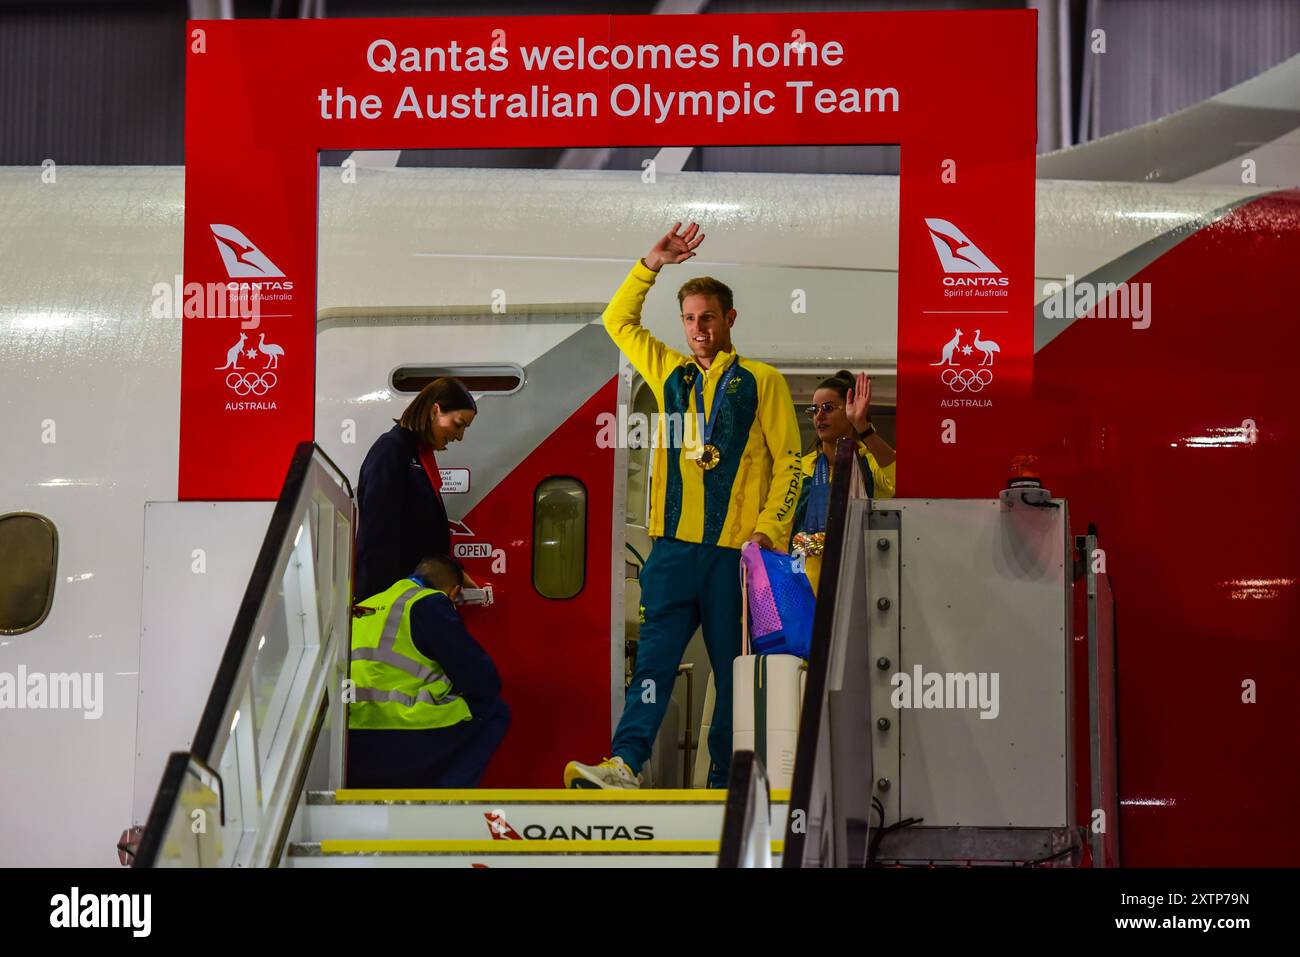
(857, 404)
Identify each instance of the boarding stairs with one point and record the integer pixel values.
(514, 828)
(882, 785)
(259, 785)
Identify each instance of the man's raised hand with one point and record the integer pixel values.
(674, 247)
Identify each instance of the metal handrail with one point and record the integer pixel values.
(747, 815)
(233, 681)
(844, 479)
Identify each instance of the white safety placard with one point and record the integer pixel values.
(454, 480)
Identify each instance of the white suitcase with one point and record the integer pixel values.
(767, 697)
(703, 762)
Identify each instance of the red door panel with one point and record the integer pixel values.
(553, 655)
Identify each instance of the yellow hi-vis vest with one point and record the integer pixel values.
(396, 687)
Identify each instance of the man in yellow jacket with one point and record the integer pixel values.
(725, 472)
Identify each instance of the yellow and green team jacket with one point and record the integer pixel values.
(755, 486)
(884, 481)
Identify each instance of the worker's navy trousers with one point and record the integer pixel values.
(452, 757)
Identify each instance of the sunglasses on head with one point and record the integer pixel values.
(825, 407)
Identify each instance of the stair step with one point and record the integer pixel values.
(507, 853)
(528, 796)
(536, 816)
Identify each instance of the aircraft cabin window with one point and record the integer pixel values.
(559, 537)
(480, 380)
(30, 545)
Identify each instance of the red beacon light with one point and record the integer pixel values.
(1025, 485)
(1024, 472)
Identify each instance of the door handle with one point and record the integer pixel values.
(476, 596)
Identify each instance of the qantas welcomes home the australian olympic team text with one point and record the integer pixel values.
(623, 99)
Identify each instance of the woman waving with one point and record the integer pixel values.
(840, 410)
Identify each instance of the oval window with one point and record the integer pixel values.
(30, 546)
(559, 537)
(480, 380)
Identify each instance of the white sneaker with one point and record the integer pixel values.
(610, 773)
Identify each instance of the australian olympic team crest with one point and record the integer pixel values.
(962, 379)
(250, 373)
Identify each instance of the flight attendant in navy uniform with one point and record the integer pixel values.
(402, 518)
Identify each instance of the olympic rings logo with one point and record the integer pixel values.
(251, 383)
(966, 380)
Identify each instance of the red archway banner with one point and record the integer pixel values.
(955, 89)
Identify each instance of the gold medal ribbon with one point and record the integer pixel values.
(711, 455)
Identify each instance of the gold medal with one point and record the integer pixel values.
(710, 455)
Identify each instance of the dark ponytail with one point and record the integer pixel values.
(841, 382)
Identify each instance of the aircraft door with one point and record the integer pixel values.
(530, 493)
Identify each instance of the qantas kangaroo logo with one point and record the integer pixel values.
(242, 258)
(500, 828)
(956, 252)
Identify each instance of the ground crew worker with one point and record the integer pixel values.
(732, 478)
(426, 710)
